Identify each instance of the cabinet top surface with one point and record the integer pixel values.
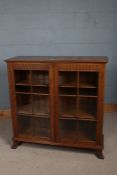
(95, 59)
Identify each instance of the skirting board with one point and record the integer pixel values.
(110, 107)
(5, 113)
(107, 108)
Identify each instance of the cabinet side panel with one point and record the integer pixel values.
(56, 101)
(12, 97)
(52, 101)
(100, 106)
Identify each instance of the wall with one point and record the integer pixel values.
(59, 27)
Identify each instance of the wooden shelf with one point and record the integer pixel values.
(29, 84)
(86, 85)
(40, 108)
(24, 109)
(40, 94)
(23, 84)
(80, 85)
(68, 116)
(39, 115)
(77, 114)
(87, 96)
(66, 95)
(23, 92)
(40, 85)
(82, 115)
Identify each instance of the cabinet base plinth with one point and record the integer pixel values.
(16, 144)
(99, 154)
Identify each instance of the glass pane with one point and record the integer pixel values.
(24, 104)
(40, 105)
(67, 130)
(34, 126)
(23, 88)
(67, 107)
(22, 77)
(68, 78)
(67, 91)
(40, 77)
(25, 125)
(42, 127)
(40, 90)
(88, 79)
(87, 108)
(87, 131)
(88, 91)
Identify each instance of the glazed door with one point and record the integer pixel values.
(76, 104)
(33, 85)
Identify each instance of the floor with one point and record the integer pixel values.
(34, 159)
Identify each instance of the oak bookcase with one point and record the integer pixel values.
(58, 100)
